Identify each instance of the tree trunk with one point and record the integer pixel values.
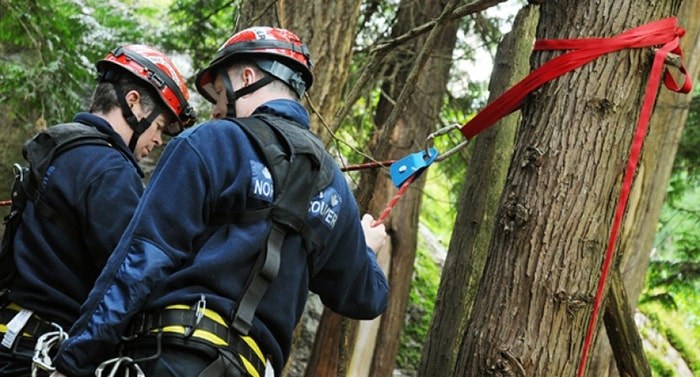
(622, 331)
(534, 301)
(473, 227)
(328, 30)
(407, 135)
(420, 117)
(649, 190)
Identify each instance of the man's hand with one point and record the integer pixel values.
(374, 236)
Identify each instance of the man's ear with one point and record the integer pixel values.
(132, 97)
(249, 76)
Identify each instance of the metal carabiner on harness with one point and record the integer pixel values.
(198, 314)
(18, 170)
(115, 364)
(41, 359)
(440, 132)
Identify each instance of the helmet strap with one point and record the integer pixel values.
(138, 126)
(233, 95)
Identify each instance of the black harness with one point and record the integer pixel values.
(40, 151)
(300, 168)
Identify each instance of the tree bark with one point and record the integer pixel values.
(622, 331)
(534, 302)
(419, 118)
(473, 227)
(405, 136)
(649, 191)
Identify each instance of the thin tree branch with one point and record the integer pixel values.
(464, 10)
(410, 84)
(377, 54)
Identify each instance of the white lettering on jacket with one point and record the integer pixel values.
(261, 185)
(326, 207)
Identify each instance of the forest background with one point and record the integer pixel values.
(47, 54)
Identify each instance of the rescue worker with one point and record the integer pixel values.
(177, 282)
(91, 192)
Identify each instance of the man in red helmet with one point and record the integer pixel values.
(244, 215)
(78, 197)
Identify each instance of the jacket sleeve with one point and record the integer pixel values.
(348, 278)
(159, 237)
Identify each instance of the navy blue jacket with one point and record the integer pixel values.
(96, 189)
(170, 255)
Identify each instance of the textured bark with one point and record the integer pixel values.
(473, 227)
(418, 119)
(534, 302)
(405, 136)
(666, 128)
(328, 29)
(622, 331)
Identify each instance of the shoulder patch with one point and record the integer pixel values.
(326, 206)
(261, 185)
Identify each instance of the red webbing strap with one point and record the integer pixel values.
(665, 33)
(672, 44)
(584, 50)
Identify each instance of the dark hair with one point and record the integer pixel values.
(104, 99)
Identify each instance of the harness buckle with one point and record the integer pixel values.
(411, 165)
(198, 314)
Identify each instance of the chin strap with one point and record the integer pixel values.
(233, 95)
(139, 126)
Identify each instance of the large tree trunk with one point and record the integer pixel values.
(417, 119)
(534, 302)
(420, 117)
(328, 29)
(648, 194)
(482, 189)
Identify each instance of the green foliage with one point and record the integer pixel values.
(198, 28)
(688, 155)
(47, 65)
(674, 329)
(660, 368)
(672, 285)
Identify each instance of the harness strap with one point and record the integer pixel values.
(41, 152)
(34, 326)
(264, 272)
(166, 321)
(300, 167)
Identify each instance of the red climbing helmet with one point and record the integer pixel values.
(278, 52)
(158, 70)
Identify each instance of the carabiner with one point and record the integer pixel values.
(41, 359)
(116, 363)
(440, 132)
